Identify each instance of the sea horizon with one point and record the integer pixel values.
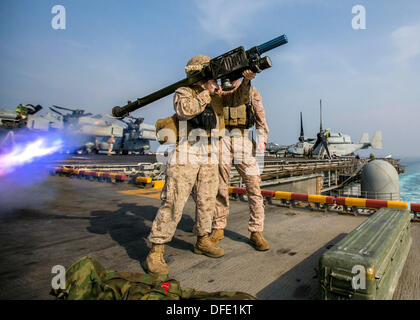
(410, 180)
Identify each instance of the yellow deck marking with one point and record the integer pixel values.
(147, 193)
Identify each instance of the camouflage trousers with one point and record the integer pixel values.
(180, 179)
(110, 147)
(247, 166)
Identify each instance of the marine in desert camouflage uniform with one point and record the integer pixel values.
(238, 147)
(111, 142)
(193, 164)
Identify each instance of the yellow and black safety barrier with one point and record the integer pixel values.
(145, 182)
(90, 174)
(320, 201)
(325, 201)
(371, 203)
(158, 184)
(148, 182)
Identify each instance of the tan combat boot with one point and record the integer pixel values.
(258, 241)
(205, 246)
(155, 263)
(216, 235)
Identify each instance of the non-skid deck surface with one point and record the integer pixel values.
(62, 219)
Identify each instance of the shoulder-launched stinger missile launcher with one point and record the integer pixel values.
(226, 67)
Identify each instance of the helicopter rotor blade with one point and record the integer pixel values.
(55, 111)
(302, 134)
(38, 107)
(320, 115)
(317, 142)
(62, 108)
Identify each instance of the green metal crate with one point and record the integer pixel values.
(379, 246)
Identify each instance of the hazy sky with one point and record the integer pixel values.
(113, 51)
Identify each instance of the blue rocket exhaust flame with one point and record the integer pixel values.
(28, 152)
(28, 157)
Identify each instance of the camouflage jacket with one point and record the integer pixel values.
(261, 122)
(187, 105)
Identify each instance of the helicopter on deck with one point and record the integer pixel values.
(131, 135)
(329, 144)
(84, 132)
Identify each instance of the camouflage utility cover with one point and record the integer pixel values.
(196, 63)
(87, 279)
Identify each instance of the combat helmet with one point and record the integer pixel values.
(196, 63)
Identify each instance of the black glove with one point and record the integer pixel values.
(206, 120)
(209, 119)
(250, 116)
